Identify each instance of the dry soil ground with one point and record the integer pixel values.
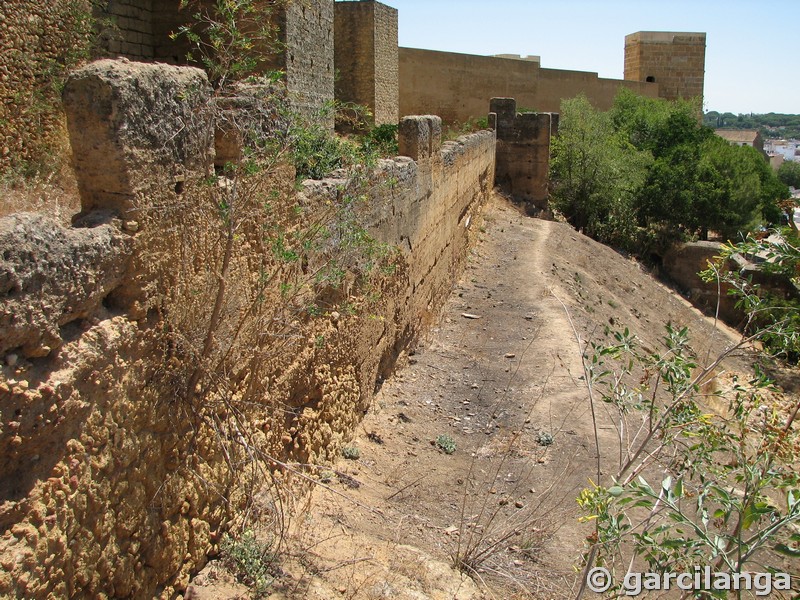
(501, 376)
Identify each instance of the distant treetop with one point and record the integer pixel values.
(771, 125)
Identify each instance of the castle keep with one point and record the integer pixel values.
(675, 62)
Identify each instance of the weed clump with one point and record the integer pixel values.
(351, 453)
(251, 560)
(446, 444)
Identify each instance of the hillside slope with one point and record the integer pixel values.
(506, 387)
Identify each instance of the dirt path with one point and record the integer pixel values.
(506, 388)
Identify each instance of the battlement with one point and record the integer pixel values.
(523, 152)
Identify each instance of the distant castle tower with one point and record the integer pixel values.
(675, 61)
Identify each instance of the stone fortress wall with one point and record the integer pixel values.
(111, 485)
(357, 60)
(455, 86)
(113, 482)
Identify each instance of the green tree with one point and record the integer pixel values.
(789, 173)
(596, 173)
(736, 189)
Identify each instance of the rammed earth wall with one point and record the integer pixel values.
(38, 40)
(120, 480)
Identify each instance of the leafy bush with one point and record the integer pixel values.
(381, 140)
(727, 492)
(251, 561)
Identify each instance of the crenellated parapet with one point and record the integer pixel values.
(523, 152)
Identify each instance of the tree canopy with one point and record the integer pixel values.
(647, 173)
(771, 125)
(789, 174)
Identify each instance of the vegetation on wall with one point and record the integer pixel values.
(645, 174)
(707, 472)
(269, 274)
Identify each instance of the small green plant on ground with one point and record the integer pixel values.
(446, 444)
(351, 453)
(251, 560)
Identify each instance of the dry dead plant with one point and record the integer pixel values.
(252, 278)
(487, 533)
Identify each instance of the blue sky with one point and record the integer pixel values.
(752, 53)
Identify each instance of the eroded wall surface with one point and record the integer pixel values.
(38, 40)
(132, 437)
(459, 86)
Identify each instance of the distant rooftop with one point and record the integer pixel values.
(536, 59)
(738, 136)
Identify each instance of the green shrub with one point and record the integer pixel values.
(351, 453)
(251, 561)
(446, 444)
(382, 141)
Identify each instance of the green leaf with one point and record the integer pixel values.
(787, 550)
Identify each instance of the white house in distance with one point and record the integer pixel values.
(788, 149)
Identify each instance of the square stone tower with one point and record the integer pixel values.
(675, 61)
(142, 30)
(366, 57)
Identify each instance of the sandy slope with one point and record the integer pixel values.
(502, 386)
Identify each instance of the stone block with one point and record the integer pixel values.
(420, 137)
(136, 129)
(505, 110)
(51, 276)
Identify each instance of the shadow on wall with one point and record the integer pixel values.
(523, 154)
